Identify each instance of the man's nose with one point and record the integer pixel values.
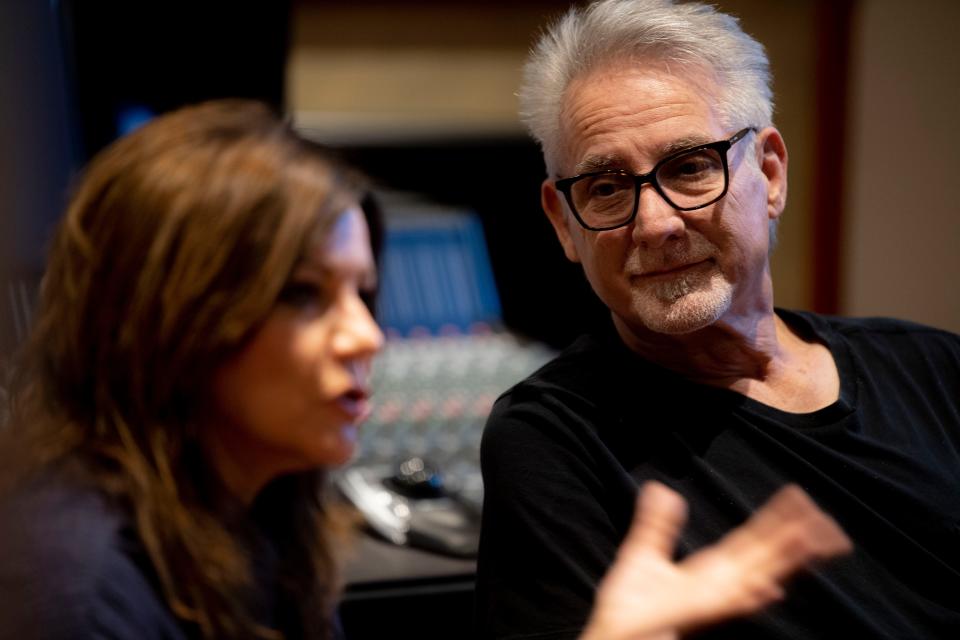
(657, 221)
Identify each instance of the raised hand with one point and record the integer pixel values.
(647, 596)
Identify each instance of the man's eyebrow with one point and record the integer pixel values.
(600, 163)
(613, 162)
(681, 144)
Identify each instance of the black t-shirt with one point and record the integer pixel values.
(564, 451)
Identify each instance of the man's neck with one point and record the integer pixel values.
(741, 347)
(755, 354)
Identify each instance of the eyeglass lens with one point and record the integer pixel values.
(688, 181)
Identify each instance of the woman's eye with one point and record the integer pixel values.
(301, 295)
(369, 297)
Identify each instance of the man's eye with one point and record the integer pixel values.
(607, 187)
(692, 167)
(695, 165)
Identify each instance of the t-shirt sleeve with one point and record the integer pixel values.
(548, 535)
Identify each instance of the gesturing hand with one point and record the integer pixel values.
(647, 596)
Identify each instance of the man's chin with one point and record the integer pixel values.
(691, 312)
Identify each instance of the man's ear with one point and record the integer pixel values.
(772, 160)
(552, 203)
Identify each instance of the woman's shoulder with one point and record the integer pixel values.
(70, 565)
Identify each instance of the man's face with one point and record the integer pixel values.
(669, 271)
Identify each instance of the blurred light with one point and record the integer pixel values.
(131, 118)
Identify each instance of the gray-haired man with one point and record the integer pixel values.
(665, 182)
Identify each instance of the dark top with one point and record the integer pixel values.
(564, 451)
(72, 566)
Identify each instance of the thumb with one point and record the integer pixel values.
(659, 516)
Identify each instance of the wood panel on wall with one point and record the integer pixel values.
(407, 71)
(903, 230)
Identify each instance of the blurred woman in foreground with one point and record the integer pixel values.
(200, 358)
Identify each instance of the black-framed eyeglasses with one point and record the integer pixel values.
(688, 179)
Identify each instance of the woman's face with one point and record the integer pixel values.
(293, 398)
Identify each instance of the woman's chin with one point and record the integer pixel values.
(343, 449)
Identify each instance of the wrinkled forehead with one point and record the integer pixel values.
(632, 93)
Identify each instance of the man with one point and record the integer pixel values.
(665, 182)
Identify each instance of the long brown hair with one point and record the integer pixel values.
(173, 250)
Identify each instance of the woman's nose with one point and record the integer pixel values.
(358, 335)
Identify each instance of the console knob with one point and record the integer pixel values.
(415, 478)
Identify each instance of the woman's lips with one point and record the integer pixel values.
(355, 403)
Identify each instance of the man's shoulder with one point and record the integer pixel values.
(883, 325)
(890, 350)
(882, 331)
(69, 559)
(579, 366)
(578, 376)
(585, 390)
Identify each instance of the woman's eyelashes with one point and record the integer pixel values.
(304, 295)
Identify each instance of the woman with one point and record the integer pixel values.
(201, 333)
(200, 356)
